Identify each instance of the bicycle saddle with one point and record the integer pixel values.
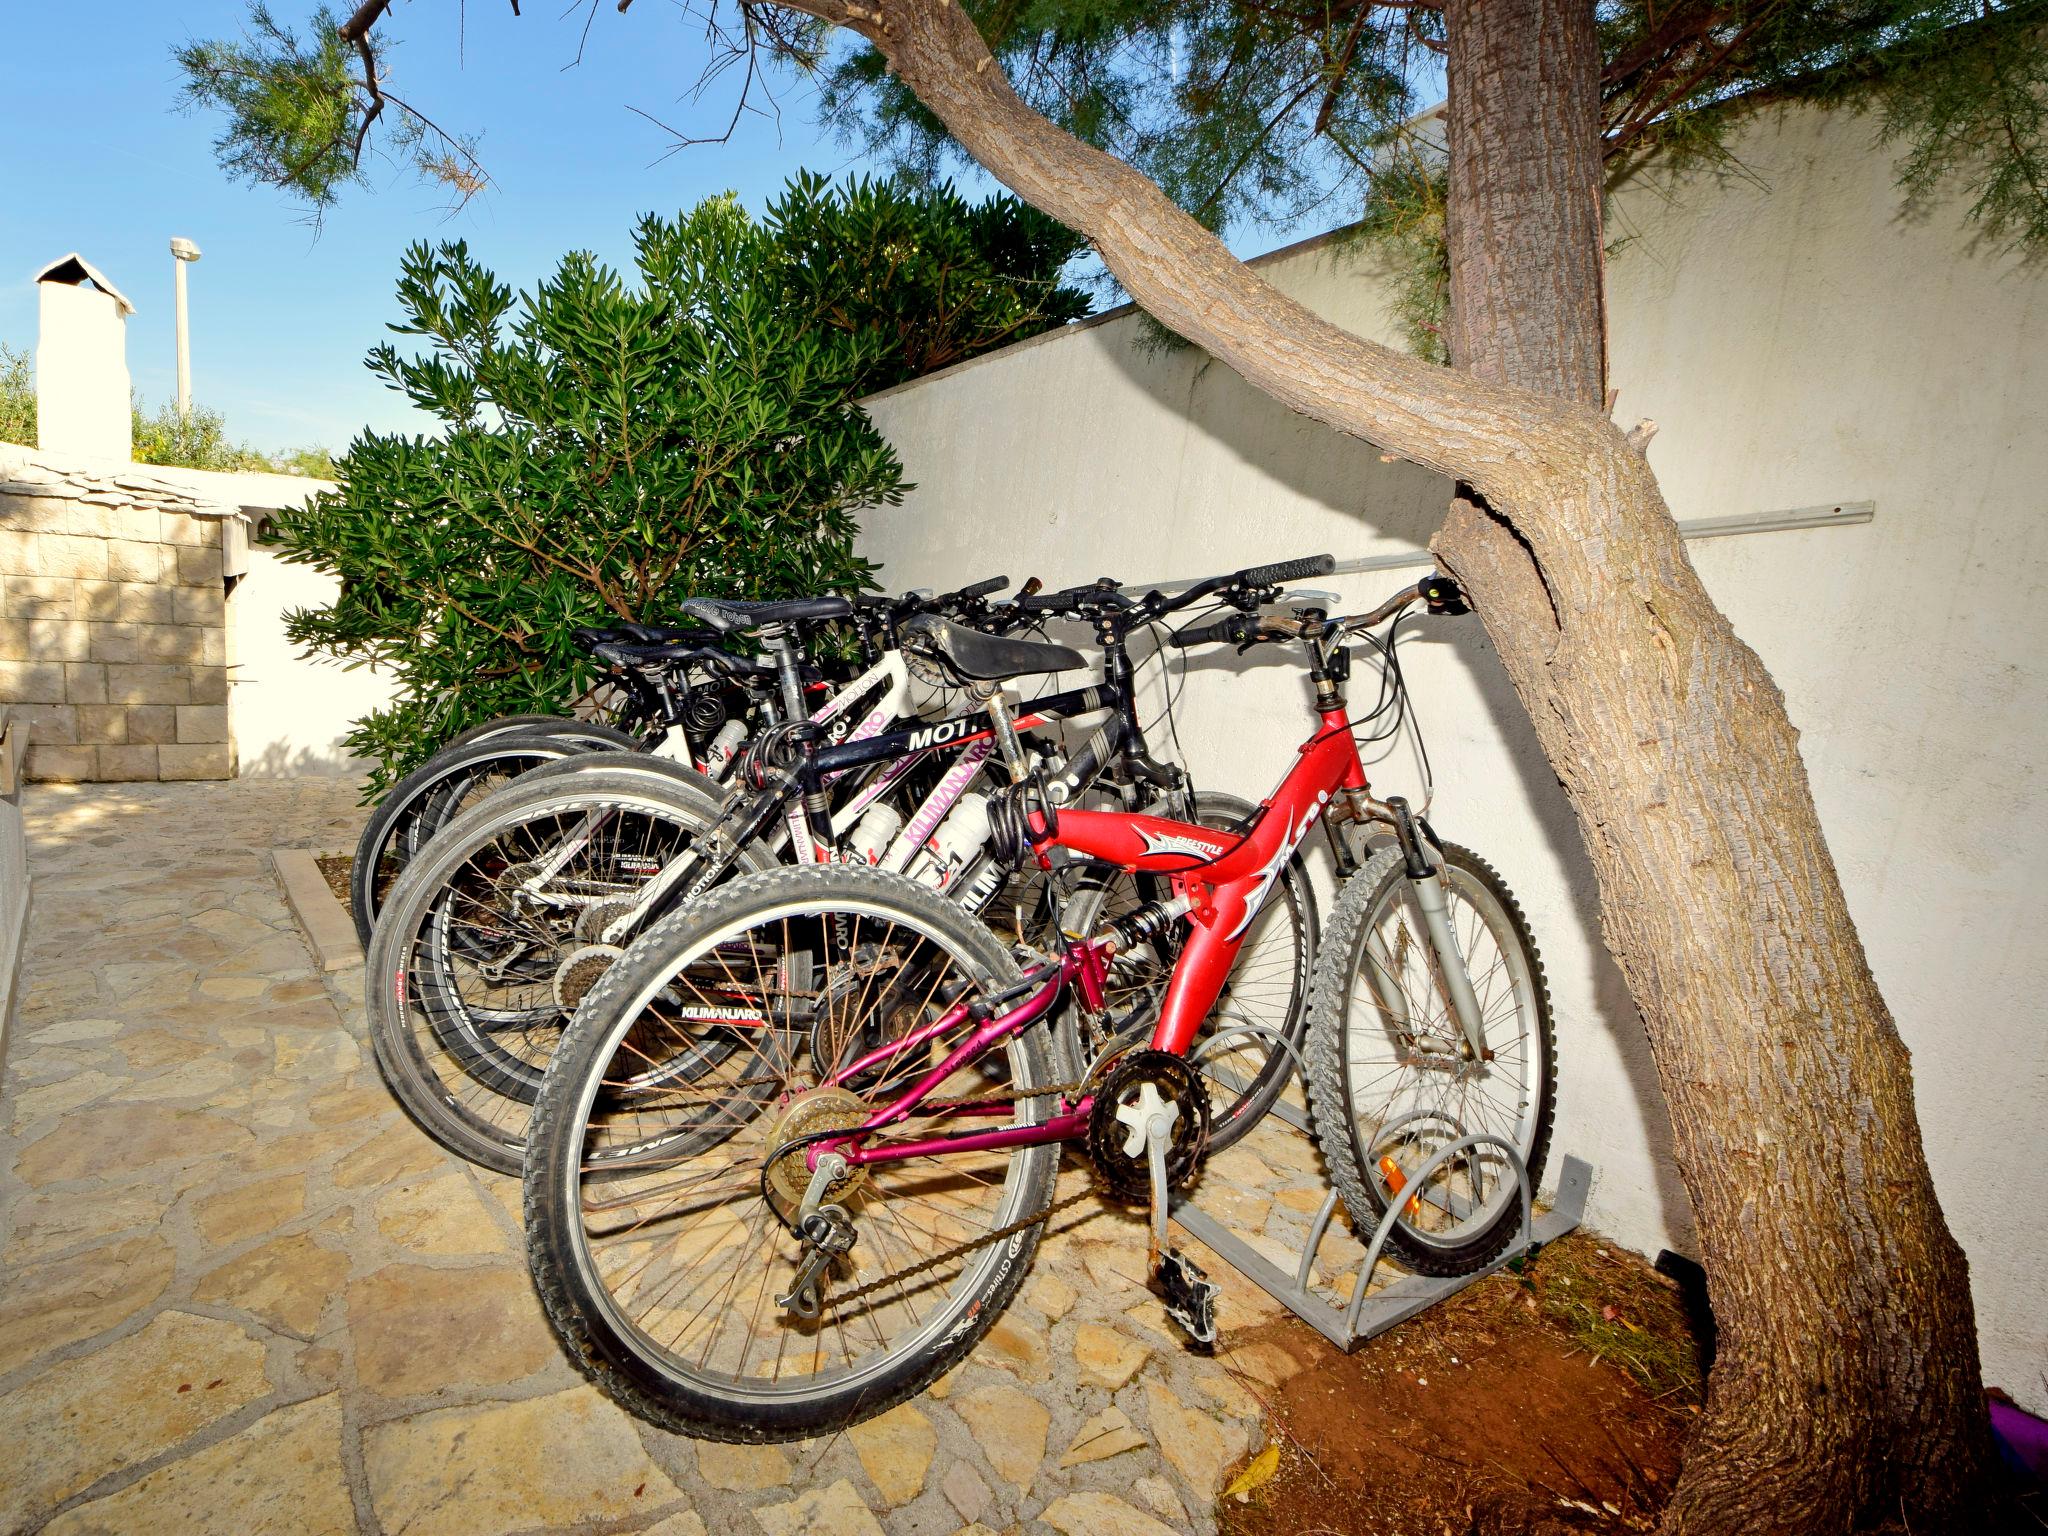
(724, 615)
(590, 639)
(987, 658)
(621, 653)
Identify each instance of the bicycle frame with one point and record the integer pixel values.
(1223, 877)
(969, 734)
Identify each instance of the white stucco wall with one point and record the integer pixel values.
(289, 712)
(82, 385)
(1801, 343)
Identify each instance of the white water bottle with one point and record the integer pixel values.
(874, 832)
(960, 837)
(718, 752)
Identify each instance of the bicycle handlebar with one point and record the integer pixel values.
(1439, 592)
(1233, 627)
(1288, 570)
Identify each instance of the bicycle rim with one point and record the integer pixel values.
(671, 1239)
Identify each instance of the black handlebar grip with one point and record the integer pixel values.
(1045, 602)
(983, 588)
(1289, 570)
(1443, 595)
(1229, 627)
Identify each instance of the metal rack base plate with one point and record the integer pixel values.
(1401, 1298)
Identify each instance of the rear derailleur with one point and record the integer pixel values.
(827, 1234)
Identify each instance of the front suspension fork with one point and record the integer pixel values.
(1425, 880)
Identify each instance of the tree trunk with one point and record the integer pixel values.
(1847, 1388)
(1522, 213)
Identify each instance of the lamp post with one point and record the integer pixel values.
(185, 253)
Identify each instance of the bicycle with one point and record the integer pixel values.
(820, 1223)
(496, 927)
(678, 694)
(675, 693)
(505, 921)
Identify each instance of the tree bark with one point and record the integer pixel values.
(1847, 1389)
(1522, 210)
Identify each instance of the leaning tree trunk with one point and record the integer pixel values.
(1847, 1390)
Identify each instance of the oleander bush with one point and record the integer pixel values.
(610, 444)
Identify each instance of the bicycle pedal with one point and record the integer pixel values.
(1190, 1298)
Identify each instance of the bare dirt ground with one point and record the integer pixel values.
(335, 868)
(1554, 1401)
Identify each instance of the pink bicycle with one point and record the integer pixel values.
(770, 1242)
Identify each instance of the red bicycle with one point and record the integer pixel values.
(773, 1241)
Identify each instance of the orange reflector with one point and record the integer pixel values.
(1397, 1181)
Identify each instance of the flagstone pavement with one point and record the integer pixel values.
(239, 1292)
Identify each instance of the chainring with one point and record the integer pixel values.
(1130, 1178)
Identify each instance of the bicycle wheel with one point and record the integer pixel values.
(420, 803)
(658, 1203)
(1248, 1047)
(1392, 1080)
(479, 955)
(598, 733)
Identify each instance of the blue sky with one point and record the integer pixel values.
(98, 159)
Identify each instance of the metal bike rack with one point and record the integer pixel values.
(1369, 1312)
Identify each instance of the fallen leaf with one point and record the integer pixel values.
(1260, 1472)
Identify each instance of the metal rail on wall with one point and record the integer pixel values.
(1832, 515)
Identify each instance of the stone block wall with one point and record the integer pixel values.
(113, 633)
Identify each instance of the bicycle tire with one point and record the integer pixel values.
(393, 834)
(491, 1130)
(611, 1349)
(1366, 900)
(1233, 1117)
(598, 732)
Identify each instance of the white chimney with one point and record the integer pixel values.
(82, 404)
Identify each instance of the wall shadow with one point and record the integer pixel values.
(1405, 503)
(279, 760)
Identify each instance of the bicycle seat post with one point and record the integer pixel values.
(775, 640)
(997, 704)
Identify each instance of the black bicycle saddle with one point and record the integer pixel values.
(727, 615)
(987, 658)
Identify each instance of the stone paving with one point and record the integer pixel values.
(239, 1292)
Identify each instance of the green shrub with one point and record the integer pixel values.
(198, 440)
(608, 447)
(17, 397)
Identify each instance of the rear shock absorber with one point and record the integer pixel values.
(1149, 924)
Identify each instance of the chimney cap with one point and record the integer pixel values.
(75, 269)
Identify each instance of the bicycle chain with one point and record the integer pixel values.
(947, 1255)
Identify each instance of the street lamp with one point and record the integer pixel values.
(186, 253)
